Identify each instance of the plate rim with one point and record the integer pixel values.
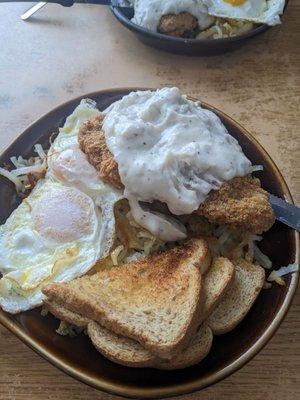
(198, 383)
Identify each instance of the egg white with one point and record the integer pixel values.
(62, 228)
(52, 236)
(258, 11)
(69, 165)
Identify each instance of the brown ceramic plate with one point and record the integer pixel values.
(190, 47)
(230, 352)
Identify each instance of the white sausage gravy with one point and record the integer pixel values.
(147, 13)
(169, 148)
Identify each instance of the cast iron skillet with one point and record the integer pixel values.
(190, 47)
(229, 352)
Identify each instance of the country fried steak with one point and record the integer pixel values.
(240, 203)
(91, 141)
(183, 24)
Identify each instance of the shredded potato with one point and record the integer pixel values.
(224, 28)
(132, 239)
(255, 168)
(231, 244)
(44, 312)
(66, 329)
(288, 269)
(26, 172)
(14, 179)
(276, 276)
(267, 285)
(116, 253)
(261, 258)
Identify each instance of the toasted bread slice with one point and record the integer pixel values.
(66, 315)
(196, 351)
(155, 301)
(119, 349)
(114, 347)
(216, 282)
(131, 354)
(248, 282)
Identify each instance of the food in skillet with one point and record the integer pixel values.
(141, 214)
(205, 18)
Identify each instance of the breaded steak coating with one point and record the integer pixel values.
(240, 203)
(183, 24)
(91, 140)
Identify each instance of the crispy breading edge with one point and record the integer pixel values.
(91, 140)
(240, 203)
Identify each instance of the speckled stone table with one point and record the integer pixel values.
(63, 53)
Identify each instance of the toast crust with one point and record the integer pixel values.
(197, 350)
(66, 315)
(119, 349)
(126, 352)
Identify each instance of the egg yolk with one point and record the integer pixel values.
(235, 3)
(64, 215)
(72, 166)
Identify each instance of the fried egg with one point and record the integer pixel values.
(62, 228)
(69, 165)
(258, 11)
(66, 162)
